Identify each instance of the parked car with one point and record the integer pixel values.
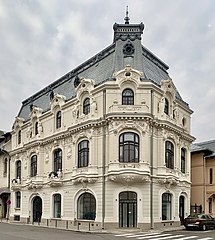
(199, 221)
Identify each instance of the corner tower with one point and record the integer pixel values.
(127, 38)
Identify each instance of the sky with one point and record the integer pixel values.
(41, 40)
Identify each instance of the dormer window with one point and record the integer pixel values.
(127, 97)
(166, 106)
(58, 119)
(36, 128)
(86, 106)
(19, 137)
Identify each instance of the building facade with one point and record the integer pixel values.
(202, 177)
(106, 145)
(5, 148)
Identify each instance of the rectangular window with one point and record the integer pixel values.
(183, 160)
(18, 199)
(211, 176)
(5, 167)
(166, 206)
(210, 205)
(57, 206)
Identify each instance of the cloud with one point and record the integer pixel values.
(42, 40)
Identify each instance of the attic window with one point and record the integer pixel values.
(128, 49)
(183, 121)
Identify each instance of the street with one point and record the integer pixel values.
(28, 232)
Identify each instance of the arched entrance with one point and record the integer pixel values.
(181, 208)
(127, 209)
(37, 209)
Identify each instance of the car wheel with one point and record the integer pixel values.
(204, 228)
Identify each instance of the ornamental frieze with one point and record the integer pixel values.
(168, 182)
(127, 178)
(34, 184)
(84, 180)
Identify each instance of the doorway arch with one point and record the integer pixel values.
(128, 209)
(181, 208)
(37, 209)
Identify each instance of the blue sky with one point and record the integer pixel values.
(41, 40)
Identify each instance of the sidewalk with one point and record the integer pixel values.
(111, 231)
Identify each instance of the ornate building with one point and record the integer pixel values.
(104, 146)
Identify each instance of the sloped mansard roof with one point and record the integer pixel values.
(125, 49)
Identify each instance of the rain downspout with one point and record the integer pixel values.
(151, 163)
(103, 157)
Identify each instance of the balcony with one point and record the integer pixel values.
(129, 172)
(85, 175)
(16, 184)
(55, 179)
(36, 183)
(118, 108)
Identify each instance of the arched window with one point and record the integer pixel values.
(36, 128)
(57, 206)
(169, 155)
(183, 160)
(18, 199)
(86, 206)
(129, 147)
(33, 165)
(18, 169)
(86, 106)
(58, 119)
(83, 153)
(19, 136)
(166, 206)
(166, 106)
(57, 160)
(127, 97)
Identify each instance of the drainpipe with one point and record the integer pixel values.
(151, 164)
(204, 179)
(103, 157)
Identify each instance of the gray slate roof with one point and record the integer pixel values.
(101, 67)
(208, 147)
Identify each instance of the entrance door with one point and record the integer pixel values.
(181, 209)
(128, 209)
(37, 209)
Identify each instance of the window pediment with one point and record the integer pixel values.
(36, 112)
(18, 123)
(128, 74)
(57, 101)
(86, 85)
(168, 87)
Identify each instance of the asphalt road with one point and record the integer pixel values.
(28, 232)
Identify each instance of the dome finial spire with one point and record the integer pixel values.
(126, 18)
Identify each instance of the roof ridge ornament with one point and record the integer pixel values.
(126, 18)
